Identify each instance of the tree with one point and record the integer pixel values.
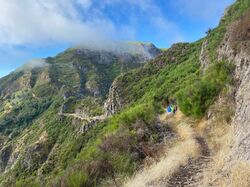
(209, 31)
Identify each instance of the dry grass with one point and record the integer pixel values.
(221, 147)
(237, 175)
(171, 161)
(184, 131)
(240, 174)
(172, 118)
(201, 126)
(219, 135)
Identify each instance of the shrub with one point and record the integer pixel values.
(195, 99)
(77, 179)
(27, 183)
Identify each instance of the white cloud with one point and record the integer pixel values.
(43, 22)
(202, 10)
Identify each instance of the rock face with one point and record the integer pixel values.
(113, 103)
(204, 56)
(237, 50)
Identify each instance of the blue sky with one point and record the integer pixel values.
(41, 28)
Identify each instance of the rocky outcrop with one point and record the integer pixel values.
(237, 50)
(113, 103)
(204, 56)
(43, 77)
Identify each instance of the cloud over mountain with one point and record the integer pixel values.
(81, 21)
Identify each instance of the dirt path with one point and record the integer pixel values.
(190, 175)
(86, 123)
(157, 174)
(180, 166)
(89, 119)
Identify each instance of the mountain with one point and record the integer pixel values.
(76, 80)
(97, 117)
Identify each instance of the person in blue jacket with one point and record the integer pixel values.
(169, 109)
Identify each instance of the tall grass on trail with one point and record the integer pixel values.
(195, 99)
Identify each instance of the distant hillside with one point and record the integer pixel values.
(77, 79)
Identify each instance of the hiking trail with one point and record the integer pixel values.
(181, 165)
(191, 175)
(85, 123)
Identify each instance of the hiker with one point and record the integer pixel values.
(169, 110)
(172, 108)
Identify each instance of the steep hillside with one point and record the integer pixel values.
(219, 100)
(55, 133)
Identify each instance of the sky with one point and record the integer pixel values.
(40, 28)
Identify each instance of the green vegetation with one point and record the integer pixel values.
(159, 80)
(196, 98)
(215, 36)
(24, 110)
(90, 106)
(112, 148)
(238, 9)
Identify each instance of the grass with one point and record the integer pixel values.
(240, 174)
(238, 9)
(218, 134)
